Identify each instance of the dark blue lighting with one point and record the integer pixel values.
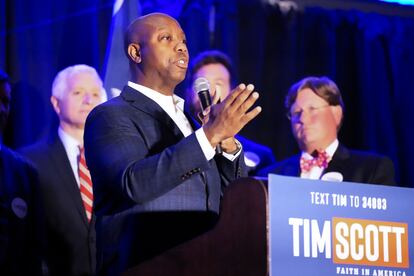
(402, 2)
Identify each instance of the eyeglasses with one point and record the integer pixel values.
(294, 115)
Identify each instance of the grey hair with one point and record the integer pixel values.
(59, 86)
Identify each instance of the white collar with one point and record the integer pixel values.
(166, 102)
(330, 150)
(71, 144)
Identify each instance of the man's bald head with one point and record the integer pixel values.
(156, 47)
(139, 30)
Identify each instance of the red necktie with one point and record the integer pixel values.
(321, 160)
(85, 185)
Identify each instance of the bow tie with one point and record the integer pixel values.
(321, 160)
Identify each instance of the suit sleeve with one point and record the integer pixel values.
(231, 170)
(139, 161)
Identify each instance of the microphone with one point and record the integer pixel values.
(202, 88)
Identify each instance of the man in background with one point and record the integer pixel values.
(217, 68)
(64, 178)
(152, 167)
(21, 221)
(315, 109)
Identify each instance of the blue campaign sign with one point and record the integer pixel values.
(339, 228)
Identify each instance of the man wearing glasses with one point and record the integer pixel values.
(315, 110)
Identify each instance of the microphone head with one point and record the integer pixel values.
(201, 84)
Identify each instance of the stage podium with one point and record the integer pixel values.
(292, 226)
(237, 245)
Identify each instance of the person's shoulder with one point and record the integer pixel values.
(111, 103)
(366, 160)
(378, 168)
(111, 106)
(37, 149)
(284, 167)
(11, 155)
(16, 159)
(249, 145)
(368, 156)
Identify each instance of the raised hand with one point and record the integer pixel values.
(227, 118)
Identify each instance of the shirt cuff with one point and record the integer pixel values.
(232, 157)
(205, 145)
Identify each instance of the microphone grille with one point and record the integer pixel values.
(201, 84)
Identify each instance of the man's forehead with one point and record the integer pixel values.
(307, 96)
(80, 76)
(214, 69)
(82, 79)
(155, 23)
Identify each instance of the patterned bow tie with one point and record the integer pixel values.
(321, 160)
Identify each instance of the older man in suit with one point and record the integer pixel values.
(315, 109)
(21, 240)
(64, 179)
(147, 157)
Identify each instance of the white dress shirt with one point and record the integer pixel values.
(316, 172)
(72, 151)
(174, 107)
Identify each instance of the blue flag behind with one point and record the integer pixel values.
(116, 72)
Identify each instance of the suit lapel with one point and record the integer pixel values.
(337, 163)
(147, 105)
(194, 124)
(61, 166)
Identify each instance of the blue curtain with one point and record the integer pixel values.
(38, 39)
(368, 55)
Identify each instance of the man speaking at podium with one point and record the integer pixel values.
(315, 110)
(146, 156)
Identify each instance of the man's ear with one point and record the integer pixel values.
(337, 113)
(55, 104)
(134, 52)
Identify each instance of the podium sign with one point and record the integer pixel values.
(339, 228)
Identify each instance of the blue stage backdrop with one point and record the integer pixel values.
(368, 54)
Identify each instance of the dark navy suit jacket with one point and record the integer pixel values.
(261, 155)
(71, 248)
(21, 222)
(141, 164)
(355, 166)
